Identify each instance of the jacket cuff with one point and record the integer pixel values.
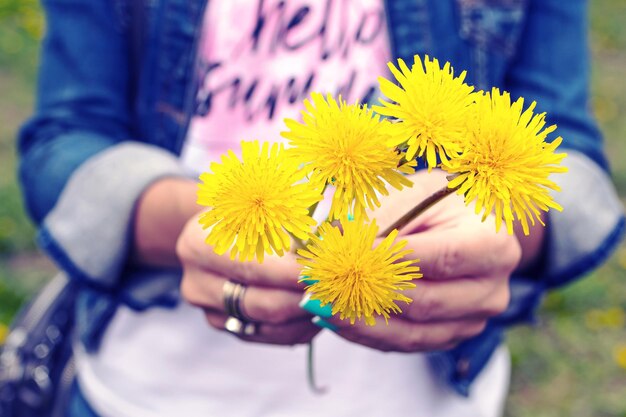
(590, 226)
(88, 232)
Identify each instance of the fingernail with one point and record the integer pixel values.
(315, 307)
(320, 322)
(307, 280)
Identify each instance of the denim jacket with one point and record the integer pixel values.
(99, 136)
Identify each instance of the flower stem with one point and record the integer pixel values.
(398, 224)
(310, 365)
(314, 206)
(297, 243)
(311, 371)
(419, 209)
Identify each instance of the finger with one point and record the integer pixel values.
(403, 336)
(269, 305)
(202, 288)
(298, 332)
(462, 298)
(259, 304)
(440, 301)
(446, 254)
(274, 271)
(281, 272)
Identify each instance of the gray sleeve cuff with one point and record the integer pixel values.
(590, 225)
(88, 232)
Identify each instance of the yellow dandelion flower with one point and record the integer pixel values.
(356, 278)
(615, 318)
(430, 106)
(254, 203)
(612, 318)
(345, 146)
(593, 319)
(4, 332)
(619, 353)
(506, 161)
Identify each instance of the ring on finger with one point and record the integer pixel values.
(238, 322)
(233, 300)
(238, 327)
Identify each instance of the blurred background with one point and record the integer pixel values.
(572, 363)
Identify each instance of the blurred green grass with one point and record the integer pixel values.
(573, 363)
(566, 365)
(22, 268)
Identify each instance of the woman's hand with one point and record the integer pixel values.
(466, 267)
(272, 289)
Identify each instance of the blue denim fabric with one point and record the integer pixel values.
(85, 106)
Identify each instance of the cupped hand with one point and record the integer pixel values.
(272, 289)
(466, 267)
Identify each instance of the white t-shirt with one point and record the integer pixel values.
(171, 363)
(257, 61)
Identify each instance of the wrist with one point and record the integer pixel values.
(161, 212)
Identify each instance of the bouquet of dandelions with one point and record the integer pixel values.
(494, 150)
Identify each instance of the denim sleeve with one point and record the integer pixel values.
(88, 231)
(81, 170)
(552, 68)
(591, 225)
(82, 104)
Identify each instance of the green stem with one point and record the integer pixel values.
(314, 206)
(299, 244)
(311, 371)
(398, 224)
(310, 365)
(419, 209)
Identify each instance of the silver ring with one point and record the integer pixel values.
(233, 298)
(238, 327)
(237, 322)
